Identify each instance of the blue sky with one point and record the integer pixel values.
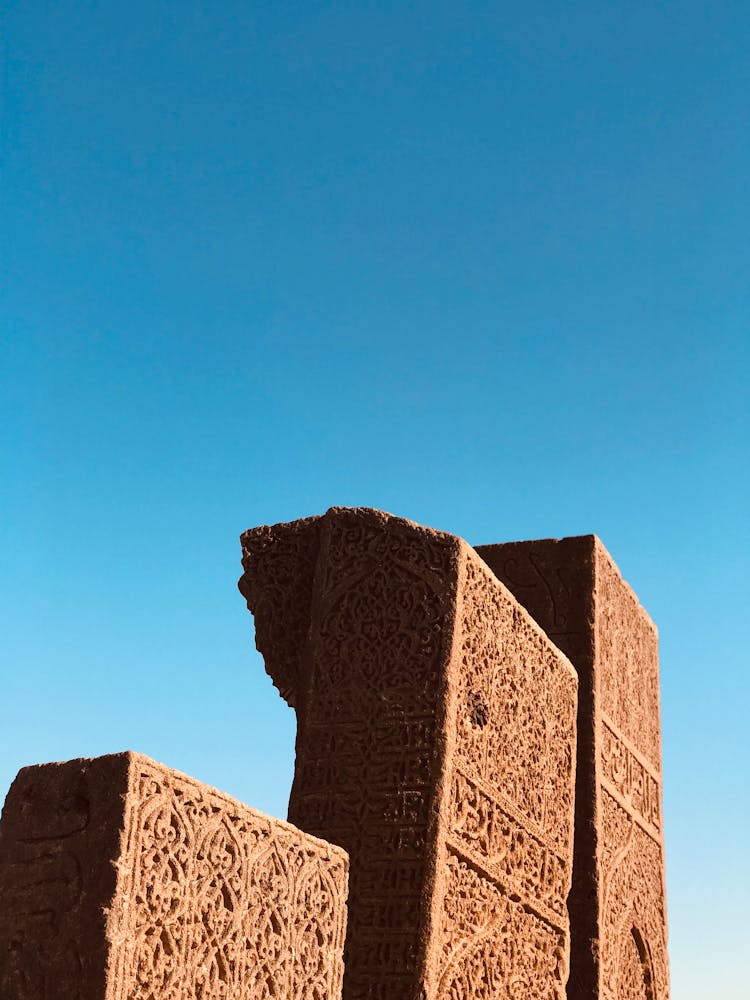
(482, 265)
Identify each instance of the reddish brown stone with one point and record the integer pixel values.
(617, 904)
(124, 880)
(435, 743)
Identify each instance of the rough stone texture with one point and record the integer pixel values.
(435, 743)
(124, 880)
(617, 904)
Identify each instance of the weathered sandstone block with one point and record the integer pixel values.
(617, 904)
(435, 743)
(123, 880)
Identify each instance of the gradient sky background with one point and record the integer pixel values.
(482, 265)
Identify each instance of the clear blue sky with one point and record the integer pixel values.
(483, 265)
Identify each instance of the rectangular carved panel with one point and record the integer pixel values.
(436, 744)
(124, 879)
(575, 592)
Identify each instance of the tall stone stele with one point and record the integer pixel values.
(617, 904)
(435, 744)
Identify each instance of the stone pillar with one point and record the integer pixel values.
(121, 879)
(435, 743)
(617, 904)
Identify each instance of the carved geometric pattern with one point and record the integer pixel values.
(212, 900)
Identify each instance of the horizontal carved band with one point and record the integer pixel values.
(630, 778)
(506, 850)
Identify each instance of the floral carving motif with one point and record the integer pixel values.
(222, 903)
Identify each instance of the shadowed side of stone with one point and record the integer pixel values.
(126, 879)
(59, 838)
(279, 592)
(574, 590)
(554, 581)
(436, 744)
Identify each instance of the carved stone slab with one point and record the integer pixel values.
(617, 905)
(436, 744)
(123, 880)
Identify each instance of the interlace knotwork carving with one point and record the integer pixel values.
(222, 903)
